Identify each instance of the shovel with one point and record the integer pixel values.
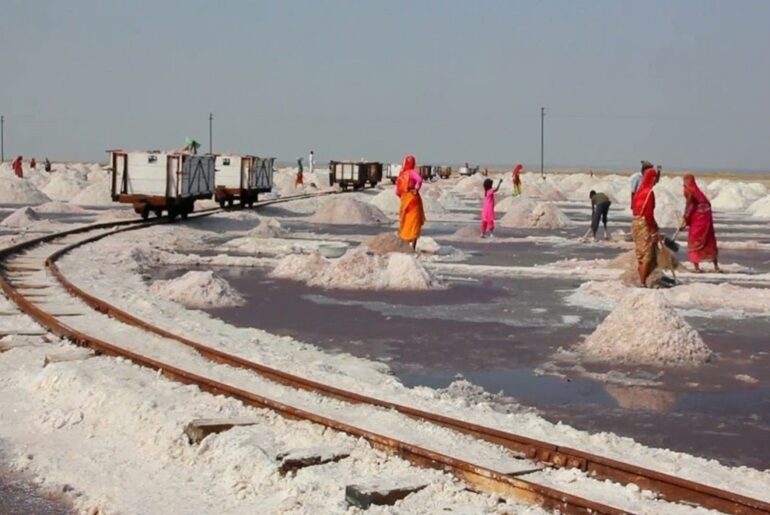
(671, 242)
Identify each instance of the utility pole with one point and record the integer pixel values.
(211, 124)
(2, 138)
(542, 140)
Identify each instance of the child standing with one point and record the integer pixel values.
(488, 211)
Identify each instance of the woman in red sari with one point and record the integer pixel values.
(412, 214)
(701, 239)
(644, 228)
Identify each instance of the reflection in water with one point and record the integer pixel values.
(642, 397)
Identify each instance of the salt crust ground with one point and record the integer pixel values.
(358, 269)
(199, 289)
(109, 435)
(128, 290)
(645, 329)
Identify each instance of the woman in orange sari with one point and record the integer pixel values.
(412, 216)
(644, 228)
(701, 239)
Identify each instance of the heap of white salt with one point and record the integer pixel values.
(65, 186)
(20, 191)
(348, 211)
(96, 194)
(22, 217)
(198, 290)
(359, 269)
(268, 228)
(645, 329)
(58, 207)
(525, 214)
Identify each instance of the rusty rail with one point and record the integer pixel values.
(669, 487)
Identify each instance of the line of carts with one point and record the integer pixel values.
(155, 181)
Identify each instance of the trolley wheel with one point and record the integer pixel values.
(222, 203)
(145, 212)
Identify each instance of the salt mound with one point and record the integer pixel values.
(64, 186)
(760, 208)
(96, 194)
(359, 269)
(198, 290)
(467, 232)
(387, 202)
(470, 185)
(20, 191)
(729, 199)
(299, 267)
(625, 261)
(58, 207)
(645, 329)
(528, 215)
(388, 242)
(268, 228)
(348, 211)
(22, 217)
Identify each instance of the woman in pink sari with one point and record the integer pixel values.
(701, 239)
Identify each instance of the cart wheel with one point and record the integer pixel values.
(222, 203)
(145, 213)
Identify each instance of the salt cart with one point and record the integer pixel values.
(356, 174)
(392, 172)
(156, 181)
(242, 178)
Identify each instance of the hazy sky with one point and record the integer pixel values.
(684, 83)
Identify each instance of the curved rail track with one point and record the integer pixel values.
(21, 262)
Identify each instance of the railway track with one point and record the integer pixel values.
(32, 280)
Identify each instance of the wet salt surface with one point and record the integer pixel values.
(501, 334)
(19, 497)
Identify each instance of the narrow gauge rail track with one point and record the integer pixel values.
(668, 487)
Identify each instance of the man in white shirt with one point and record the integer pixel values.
(311, 162)
(636, 178)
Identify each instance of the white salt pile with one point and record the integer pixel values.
(95, 194)
(387, 202)
(760, 208)
(470, 185)
(22, 217)
(64, 186)
(348, 211)
(268, 228)
(198, 290)
(359, 269)
(645, 329)
(20, 191)
(58, 207)
(525, 214)
(388, 242)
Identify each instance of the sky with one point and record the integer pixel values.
(683, 83)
